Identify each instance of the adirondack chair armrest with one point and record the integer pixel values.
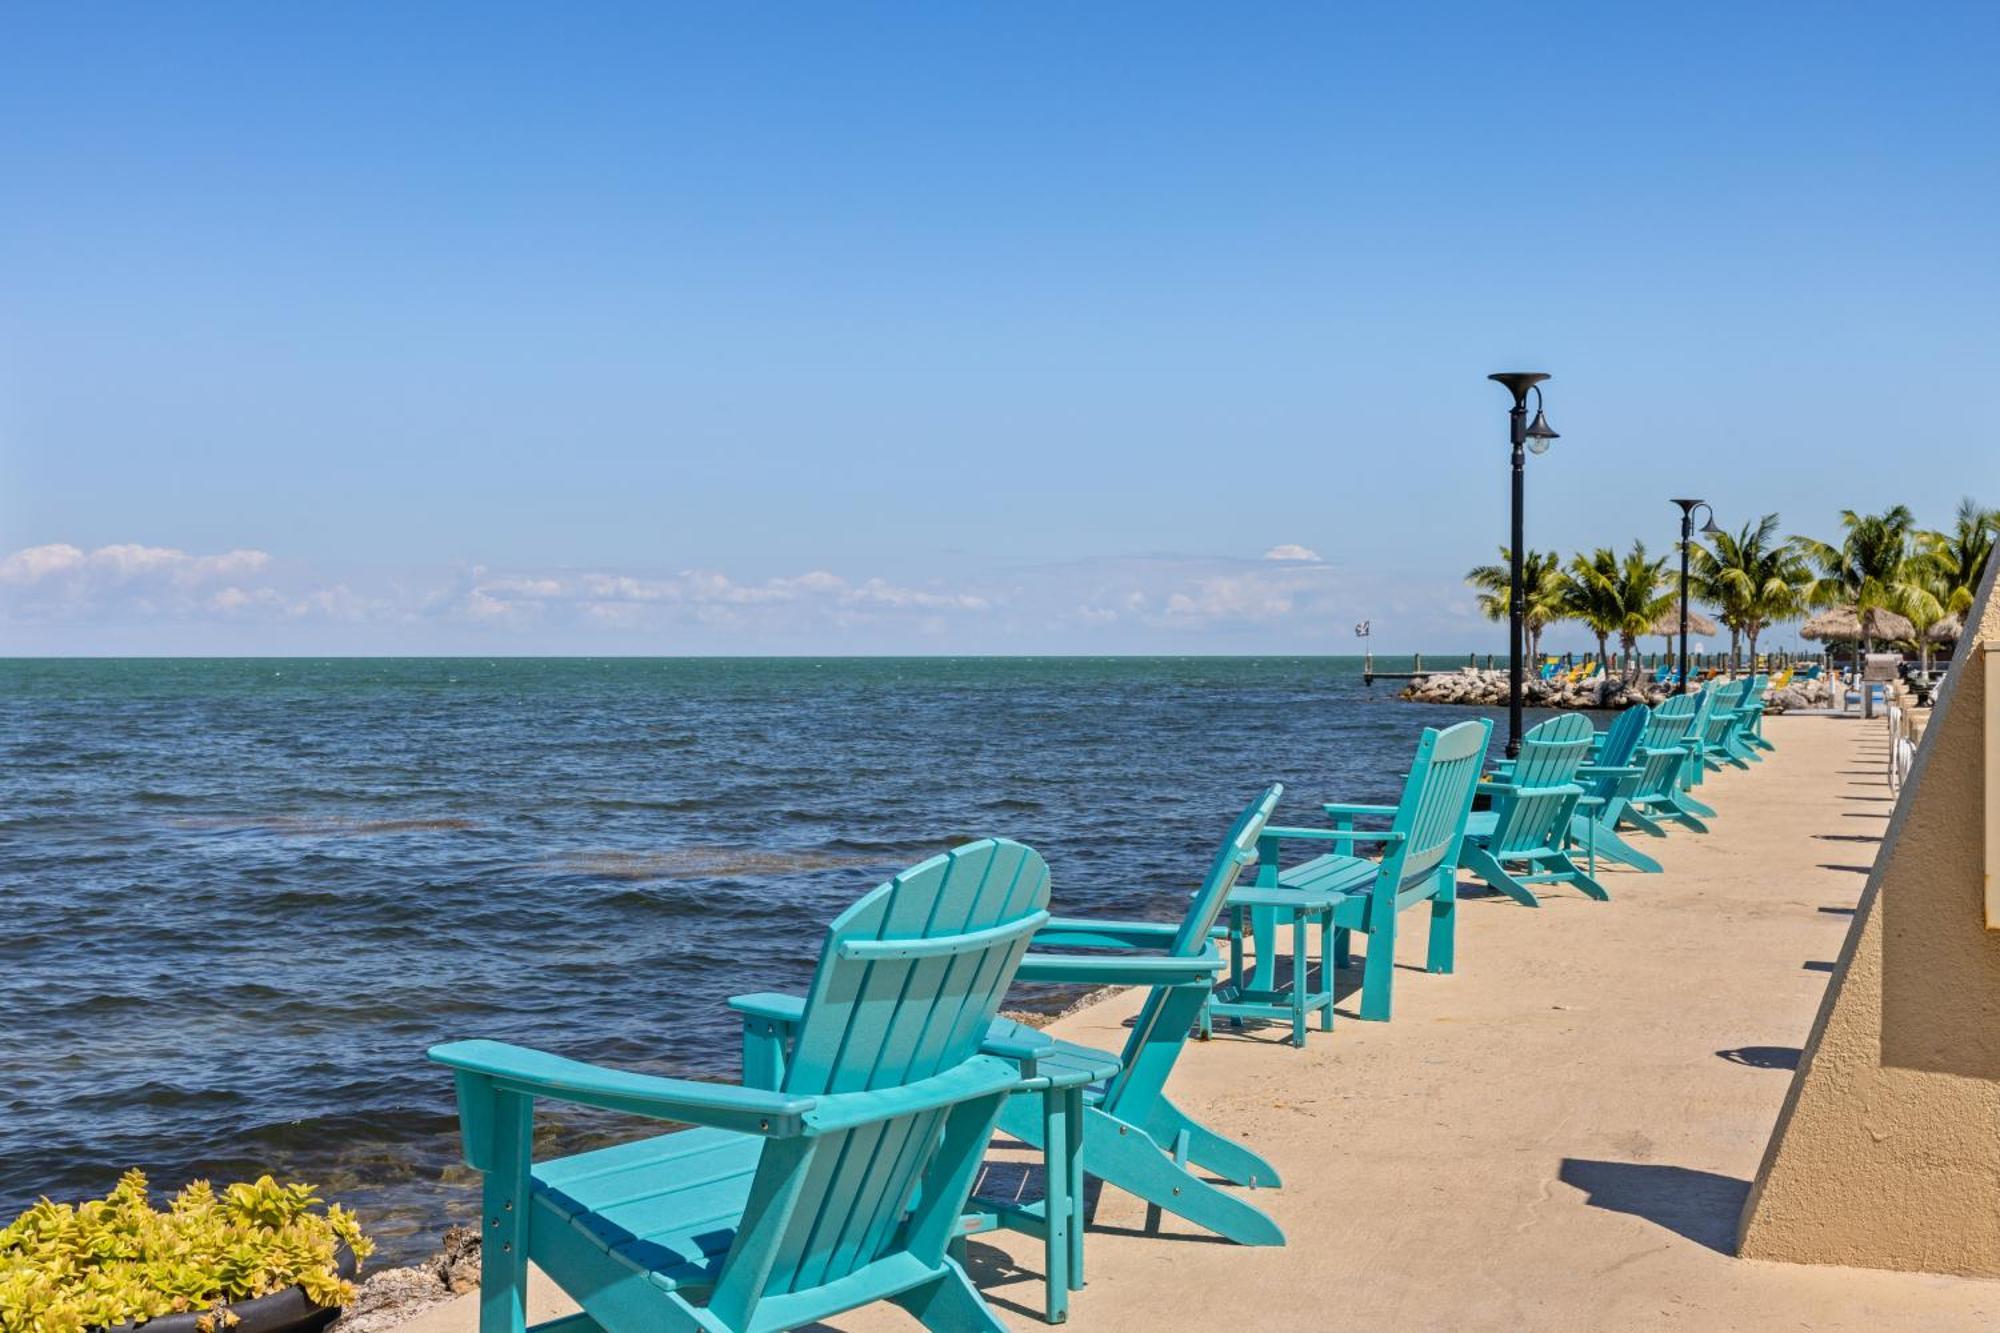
(980, 1076)
(1332, 834)
(1072, 932)
(1122, 970)
(771, 1006)
(1600, 771)
(1509, 789)
(520, 1069)
(1350, 808)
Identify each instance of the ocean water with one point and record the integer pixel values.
(243, 896)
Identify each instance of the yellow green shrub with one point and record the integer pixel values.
(65, 1269)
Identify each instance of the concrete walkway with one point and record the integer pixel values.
(1558, 1137)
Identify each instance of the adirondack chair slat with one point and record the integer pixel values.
(850, 1187)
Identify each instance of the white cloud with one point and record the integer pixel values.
(1286, 598)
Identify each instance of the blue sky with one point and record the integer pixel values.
(953, 328)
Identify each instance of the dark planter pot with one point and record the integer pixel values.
(286, 1311)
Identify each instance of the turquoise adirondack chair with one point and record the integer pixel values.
(1752, 728)
(1131, 1135)
(1134, 1137)
(1341, 893)
(1522, 840)
(1745, 740)
(841, 1188)
(1608, 783)
(1720, 744)
(1695, 743)
(1664, 751)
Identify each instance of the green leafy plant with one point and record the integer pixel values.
(65, 1269)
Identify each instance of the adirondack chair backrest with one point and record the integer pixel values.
(1162, 1025)
(1543, 775)
(1669, 720)
(908, 980)
(1437, 798)
(1723, 701)
(1238, 850)
(1621, 738)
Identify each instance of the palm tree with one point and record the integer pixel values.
(1870, 568)
(1753, 578)
(1963, 552)
(1542, 605)
(1613, 596)
(1946, 569)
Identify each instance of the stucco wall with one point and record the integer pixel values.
(1887, 1151)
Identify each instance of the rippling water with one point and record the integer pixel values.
(245, 895)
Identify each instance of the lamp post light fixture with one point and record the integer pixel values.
(1708, 529)
(1526, 438)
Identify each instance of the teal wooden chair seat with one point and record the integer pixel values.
(651, 1204)
(1338, 893)
(1523, 840)
(842, 1185)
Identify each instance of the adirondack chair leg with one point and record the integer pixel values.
(949, 1304)
(1327, 967)
(1208, 1150)
(1687, 819)
(1072, 1168)
(1481, 863)
(1058, 1205)
(1264, 968)
(1343, 947)
(504, 1198)
(1132, 1160)
(1614, 848)
(1692, 806)
(1645, 823)
(1444, 927)
(1565, 866)
(1301, 971)
(1378, 969)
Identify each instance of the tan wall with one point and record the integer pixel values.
(1887, 1152)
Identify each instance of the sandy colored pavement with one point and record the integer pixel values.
(1560, 1136)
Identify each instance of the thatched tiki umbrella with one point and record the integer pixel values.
(1842, 625)
(1946, 631)
(1668, 626)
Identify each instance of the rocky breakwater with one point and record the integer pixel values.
(1480, 687)
(1484, 688)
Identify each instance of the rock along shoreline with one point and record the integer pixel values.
(1485, 688)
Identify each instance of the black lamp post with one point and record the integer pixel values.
(1708, 529)
(1522, 436)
